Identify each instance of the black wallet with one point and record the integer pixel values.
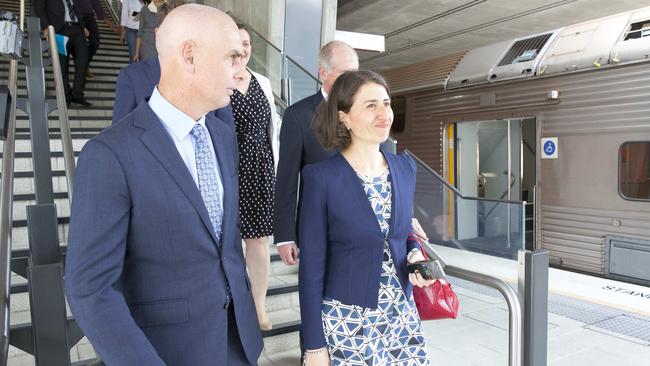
(429, 269)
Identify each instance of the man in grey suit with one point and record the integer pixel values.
(155, 273)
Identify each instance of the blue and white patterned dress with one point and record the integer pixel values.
(390, 334)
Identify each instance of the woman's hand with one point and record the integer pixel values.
(415, 256)
(417, 280)
(317, 357)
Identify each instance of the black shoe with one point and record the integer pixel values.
(81, 101)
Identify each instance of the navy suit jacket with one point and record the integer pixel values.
(52, 12)
(299, 146)
(341, 243)
(135, 83)
(145, 278)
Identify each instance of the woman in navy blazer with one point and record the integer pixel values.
(355, 291)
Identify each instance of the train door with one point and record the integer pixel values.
(495, 159)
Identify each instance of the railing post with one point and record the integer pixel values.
(533, 295)
(47, 301)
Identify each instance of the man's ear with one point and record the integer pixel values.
(188, 50)
(322, 74)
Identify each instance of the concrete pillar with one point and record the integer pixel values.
(328, 23)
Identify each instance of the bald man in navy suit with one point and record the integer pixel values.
(155, 272)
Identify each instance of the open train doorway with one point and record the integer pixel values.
(495, 159)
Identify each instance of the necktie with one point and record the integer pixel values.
(71, 13)
(209, 183)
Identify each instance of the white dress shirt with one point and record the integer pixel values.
(127, 19)
(179, 125)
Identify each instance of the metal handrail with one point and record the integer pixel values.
(302, 69)
(66, 137)
(456, 191)
(278, 100)
(7, 203)
(6, 213)
(515, 315)
(113, 9)
(250, 29)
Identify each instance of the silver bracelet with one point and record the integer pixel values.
(316, 352)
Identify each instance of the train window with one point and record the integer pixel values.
(638, 30)
(399, 111)
(634, 170)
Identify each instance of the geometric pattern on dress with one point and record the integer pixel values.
(391, 334)
(379, 195)
(209, 183)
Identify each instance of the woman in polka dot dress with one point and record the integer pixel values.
(258, 129)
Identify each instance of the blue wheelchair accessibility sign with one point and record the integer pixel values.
(549, 148)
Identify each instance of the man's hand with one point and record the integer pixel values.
(46, 34)
(86, 32)
(289, 253)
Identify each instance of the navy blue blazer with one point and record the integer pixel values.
(341, 244)
(299, 146)
(145, 278)
(135, 83)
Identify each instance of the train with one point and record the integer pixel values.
(558, 121)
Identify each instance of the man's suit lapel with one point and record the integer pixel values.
(224, 150)
(157, 141)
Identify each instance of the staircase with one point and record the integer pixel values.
(281, 343)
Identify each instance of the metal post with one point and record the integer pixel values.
(38, 115)
(47, 300)
(533, 294)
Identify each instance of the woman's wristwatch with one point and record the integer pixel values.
(412, 253)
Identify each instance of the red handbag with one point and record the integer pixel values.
(436, 301)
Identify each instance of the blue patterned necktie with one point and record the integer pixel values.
(209, 183)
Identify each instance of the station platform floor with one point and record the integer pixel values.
(592, 321)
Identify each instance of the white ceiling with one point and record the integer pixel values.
(419, 30)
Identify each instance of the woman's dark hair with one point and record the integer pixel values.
(330, 130)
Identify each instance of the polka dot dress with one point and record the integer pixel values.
(256, 178)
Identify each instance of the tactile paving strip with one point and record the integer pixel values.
(592, 315)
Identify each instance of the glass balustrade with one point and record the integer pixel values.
(469, 230)
(480, 235)
(301, 83)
